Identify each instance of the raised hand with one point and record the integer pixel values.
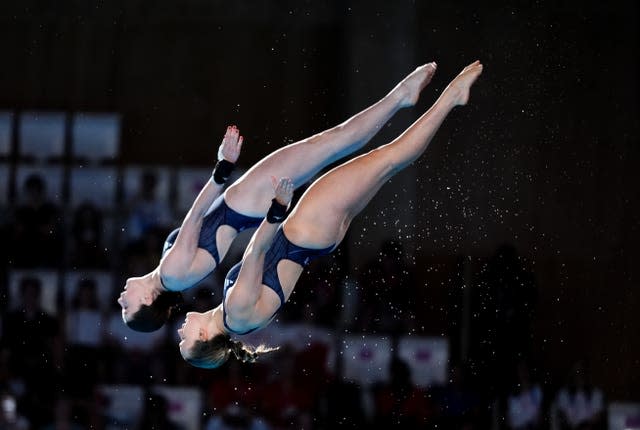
(283, 190)
(231, 145)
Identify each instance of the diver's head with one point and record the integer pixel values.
(205, 343)
(146, 305)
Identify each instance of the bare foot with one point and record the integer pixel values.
(410, 87)
(459, 88)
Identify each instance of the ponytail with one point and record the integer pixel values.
(216, 351)
(248, 354)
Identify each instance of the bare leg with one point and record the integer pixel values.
(300, 161)
(326, 209)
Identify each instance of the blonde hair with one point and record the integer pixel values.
(214, 352)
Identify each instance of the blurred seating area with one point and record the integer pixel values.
(356, 345)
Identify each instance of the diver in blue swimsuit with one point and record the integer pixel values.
(195, 250)
(280, 249)
(274, 259)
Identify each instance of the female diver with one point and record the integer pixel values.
(257, 287)
(195, 249)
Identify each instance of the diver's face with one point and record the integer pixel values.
(192, 330)
(133, 296)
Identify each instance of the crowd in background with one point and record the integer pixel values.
(55, 356)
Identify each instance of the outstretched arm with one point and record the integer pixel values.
(244, 296)
(179, 264)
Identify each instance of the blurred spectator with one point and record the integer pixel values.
(6, 230)
(155, 414)
(235, 417)
(342, 406)
(399, 403)
(146, 211)
(524, 402)
(142, 256)
(8, 380)
(4, 301)
(32, 337)
(64, 418)
(88, 249)
(387, 288)
(310, 368)
(234, 402)
(84, 330)
(502, 311)
(233, 387)
(458, 404)
(10, 418)
(37, 235)
(580, 405)
(286, 401)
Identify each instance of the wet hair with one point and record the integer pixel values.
(151, 317)
(214, 352)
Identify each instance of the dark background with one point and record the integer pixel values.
(545, 156)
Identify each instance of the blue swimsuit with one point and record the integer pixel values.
(281, 249)
(219, 214)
